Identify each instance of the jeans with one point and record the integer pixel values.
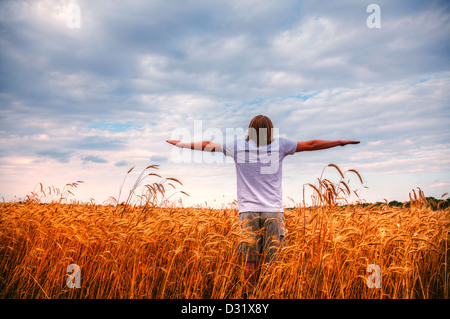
(265, 236)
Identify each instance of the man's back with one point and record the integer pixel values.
(259, 172)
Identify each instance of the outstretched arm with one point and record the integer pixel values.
(206, 146)
(315, 145)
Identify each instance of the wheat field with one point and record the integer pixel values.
(145, 249)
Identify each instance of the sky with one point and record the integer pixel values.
(90, 89)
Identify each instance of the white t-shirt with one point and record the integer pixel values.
(259, 173)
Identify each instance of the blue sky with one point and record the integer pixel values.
(89, 103)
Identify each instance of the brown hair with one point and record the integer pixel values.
(260, 130)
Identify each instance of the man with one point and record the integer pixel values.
(258, 160)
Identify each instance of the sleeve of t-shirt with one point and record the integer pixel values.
(287, 146)
(228, 147)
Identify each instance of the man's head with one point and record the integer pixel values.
(260, 130)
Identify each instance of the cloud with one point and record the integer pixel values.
(62, 156)
(97, 142)
(158, 159)
(95, 159)
(121, 163)
(132, 74)
(114, 127)
(440, 184)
